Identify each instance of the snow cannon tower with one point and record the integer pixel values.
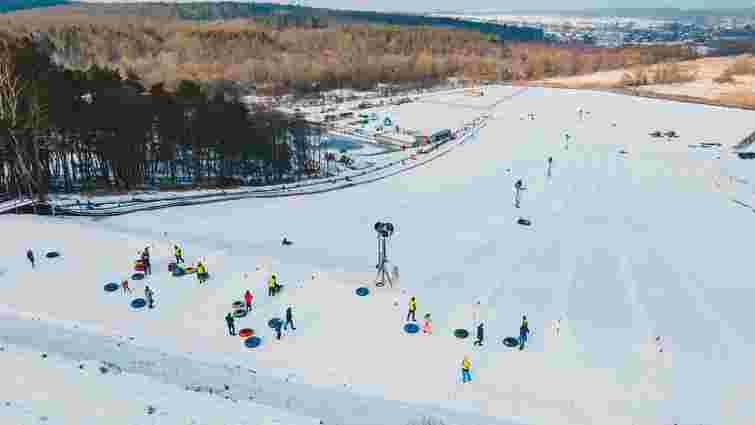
(384, 232)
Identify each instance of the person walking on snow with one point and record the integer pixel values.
(125, 287)
(148, 294)
(229, 322)
(179, 254)
(427, 326)
(480, 335)
(465, 367)
(248, 300)
(289, 319)
(550, 163)
(412, 310)
(145, 260)
(524, 330)
(201, 273)
(278, 326)
(557, 327)
(517, 190)
(30, 256)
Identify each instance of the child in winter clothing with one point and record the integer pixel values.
(465, 366)
(125, 287)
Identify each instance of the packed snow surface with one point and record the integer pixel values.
(632, 238)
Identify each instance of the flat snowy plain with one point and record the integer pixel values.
(623, 247)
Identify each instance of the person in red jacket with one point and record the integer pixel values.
(248, 300)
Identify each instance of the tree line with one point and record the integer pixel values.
(162, 48)
(65, 130)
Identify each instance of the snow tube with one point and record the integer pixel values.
(137, 276)
(246, 332)
(411, 328)
(111, 287)
(253, 342)
(238, 304)
(178, 272)
(189, 269)
(239, 313)
(510, 341)
(52, 254)
(461, 333)
(524, 222)
(171, 267)
(138, 303)
(139, 268)
(204, 276)
(274, 323)
(362, 291)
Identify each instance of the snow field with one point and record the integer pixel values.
(623, 248)
(54, 390)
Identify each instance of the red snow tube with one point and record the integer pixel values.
(246, 332)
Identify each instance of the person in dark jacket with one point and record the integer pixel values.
(480, 335)
(289, 319)
(30, 256)
(148, 294)
(231, 326)
(278, 326)
(518, 188)
(145, 260)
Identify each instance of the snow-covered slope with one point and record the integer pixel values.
(623, 247)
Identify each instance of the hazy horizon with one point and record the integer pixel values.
(478, 5)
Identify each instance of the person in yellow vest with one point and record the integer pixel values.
(179, 254)
(465, 366)
(201, 272)
(271, 285)
(412, 310)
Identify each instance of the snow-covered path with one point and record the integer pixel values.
(622, 247)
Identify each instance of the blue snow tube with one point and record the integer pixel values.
(253, 342)
(138, 303)
(178, 272)
(111, 287)
(362, 291)
(274, 323)
(137, 276)
(52, 254)
(511, 341)
(239, 313)
(411, 328)
(524, 222)
(461, 333)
